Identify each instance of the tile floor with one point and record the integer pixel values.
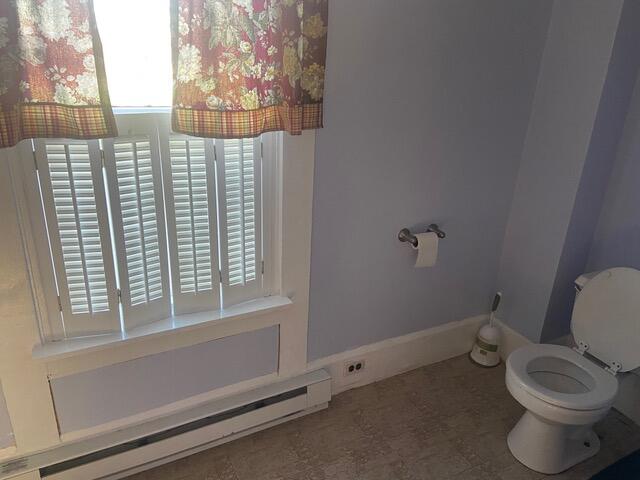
(444, 421)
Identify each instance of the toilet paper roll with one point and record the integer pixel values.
(427, 249)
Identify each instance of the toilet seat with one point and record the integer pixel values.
(605, 321)
(601, 387)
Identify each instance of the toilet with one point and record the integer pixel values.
(566, 390)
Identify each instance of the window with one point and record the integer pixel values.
(145, 27)
(148, 225)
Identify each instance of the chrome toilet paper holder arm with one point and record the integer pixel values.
(405, 234)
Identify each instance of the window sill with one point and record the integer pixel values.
(181, 323)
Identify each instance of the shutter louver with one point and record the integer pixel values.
(133, 168)
(239, 193)
(76, 215)
(190, 194)
(166, 224)
(191, 210)
(142, 246)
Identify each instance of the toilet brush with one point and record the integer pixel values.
(485, 349)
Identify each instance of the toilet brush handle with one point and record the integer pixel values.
(496, 302)
(494, 307)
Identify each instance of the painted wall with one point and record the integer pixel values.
(94, 397)
(605, 140)
(616, 242)
(426, 109)
(572, 76)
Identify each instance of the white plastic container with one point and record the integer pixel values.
(485, 350)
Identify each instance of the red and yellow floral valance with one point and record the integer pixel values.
(52, 78)
(244, 67)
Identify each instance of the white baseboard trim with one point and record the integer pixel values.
(400, 354)
(226, 419)
(510, 340)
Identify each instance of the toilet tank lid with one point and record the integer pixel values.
(583, 279)
(606, 317)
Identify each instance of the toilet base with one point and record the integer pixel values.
(550, 447)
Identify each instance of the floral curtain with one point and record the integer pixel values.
(243, 67)
(52, 78)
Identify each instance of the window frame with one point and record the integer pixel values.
(35, 236)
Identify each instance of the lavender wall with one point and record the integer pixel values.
(605, 140)
(616, 242)
(426, 108)
(617, 238)
(87, 399)
(572, 78)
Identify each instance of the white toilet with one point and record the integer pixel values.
(565, 390)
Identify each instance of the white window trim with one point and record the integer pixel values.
(42, 280)
(43, 287)
(169, 326)
(34, 423)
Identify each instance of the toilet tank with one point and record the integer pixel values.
(582, 280)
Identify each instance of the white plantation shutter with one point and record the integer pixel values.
(189, 176)
(240, 211)
(76, 215)
(135, 183)
(172, 221)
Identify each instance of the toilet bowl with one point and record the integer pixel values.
(564, 394)
(563, 390)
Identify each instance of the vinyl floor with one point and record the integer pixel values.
(444, 421)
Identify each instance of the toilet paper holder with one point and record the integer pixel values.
(405, 234)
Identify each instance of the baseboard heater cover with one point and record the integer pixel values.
(172, 432)
(253, 410)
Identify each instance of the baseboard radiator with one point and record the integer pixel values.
(131, 450)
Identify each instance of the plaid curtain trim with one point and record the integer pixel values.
(246, 124)
(51, 120)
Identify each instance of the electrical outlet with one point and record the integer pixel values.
(353, 367)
